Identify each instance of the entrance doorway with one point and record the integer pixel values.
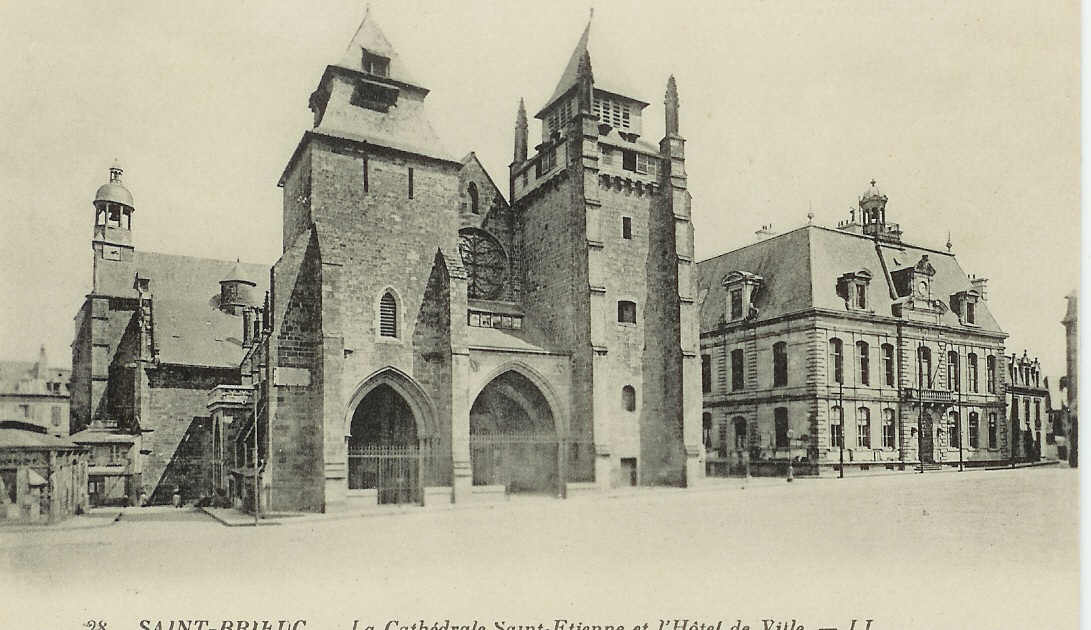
(927, 454)
(628, 471)
(513, 440)
(384, 452)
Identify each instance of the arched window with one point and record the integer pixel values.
(706, 430)
(954, 433)
(924, 367)
(992, 430)
(485, 262)
(971, 371)
(888, 428)
(863, 427)
(628, 398)
(888, 364)
(474, 201)
(780, 364)
(990, 373)
(837, 435)
(388, 315)
(739, 424)
(863, 362)
(952, 371)
(837, 363)
(974, 430)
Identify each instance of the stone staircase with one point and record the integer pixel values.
(933, 467)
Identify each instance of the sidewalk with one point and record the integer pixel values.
(231, 517)
(97, 517)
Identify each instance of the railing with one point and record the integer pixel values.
(230, 395)
(927, 395)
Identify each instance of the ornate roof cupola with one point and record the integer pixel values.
(112, 238)
(236, 291)
(873, 216)
(114, 208)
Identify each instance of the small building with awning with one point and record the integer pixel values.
(43, 478)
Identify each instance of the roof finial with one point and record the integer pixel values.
(670, 102)
(591, 14)
(949, 245)
(810, 212)
(115, 172)
(872, 182)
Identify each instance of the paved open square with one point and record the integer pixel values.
(903, 550)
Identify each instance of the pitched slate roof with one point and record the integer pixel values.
(21, 438)
(800, 270)
(189, 328)
(17, 377)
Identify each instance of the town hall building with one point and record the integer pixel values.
(849, 349)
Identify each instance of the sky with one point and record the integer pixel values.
(967, 116)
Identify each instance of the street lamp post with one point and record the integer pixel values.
(790, 475)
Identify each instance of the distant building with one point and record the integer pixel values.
(823, 344)
(154, 335)
(1028, 407)
(35, 393)
(43, 478)
(1071, 380)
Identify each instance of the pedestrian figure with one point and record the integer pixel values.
(176, 500)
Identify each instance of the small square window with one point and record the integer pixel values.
(626, 312)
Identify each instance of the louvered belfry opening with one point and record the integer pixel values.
(388, 316)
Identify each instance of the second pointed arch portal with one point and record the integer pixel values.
(514, 440)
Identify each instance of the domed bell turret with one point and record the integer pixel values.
(114, 209)
(236, 291)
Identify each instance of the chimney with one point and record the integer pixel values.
(41, 368)
(980, 285)
(764, 232)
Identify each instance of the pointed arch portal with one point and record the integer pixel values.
(513, 437)
(390, 445)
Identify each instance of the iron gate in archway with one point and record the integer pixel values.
(398, 473)
(519, 461)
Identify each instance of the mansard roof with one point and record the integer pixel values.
(801, 269)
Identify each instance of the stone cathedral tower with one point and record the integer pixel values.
(431, 341)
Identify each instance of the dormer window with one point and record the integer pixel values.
(741, 288)
(853, 288)
(736, 304)
(965, 304)
(375, 64)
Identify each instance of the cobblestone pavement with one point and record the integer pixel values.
(981, 549)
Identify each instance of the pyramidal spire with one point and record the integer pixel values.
(572, 74)
(670, 106)
(370, 51)
(521, 133)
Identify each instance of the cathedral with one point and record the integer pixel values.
(424, 337)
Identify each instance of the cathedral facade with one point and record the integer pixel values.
(429, 339)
